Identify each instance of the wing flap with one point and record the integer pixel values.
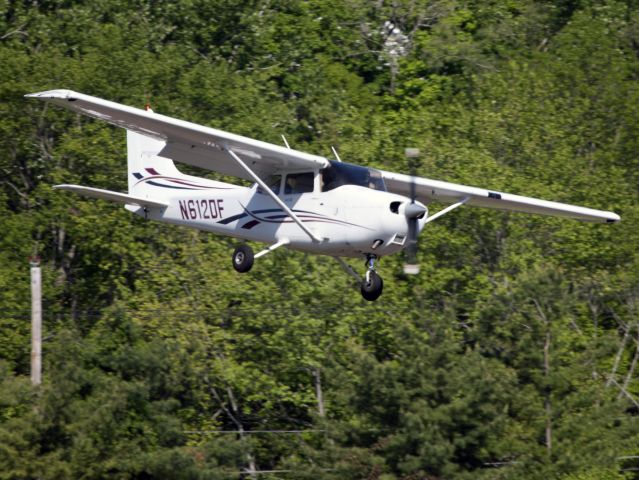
(112, 196)
(204, 157)
(188, 142)
(428, 190)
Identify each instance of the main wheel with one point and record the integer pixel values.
(372, 289)
(243, 258)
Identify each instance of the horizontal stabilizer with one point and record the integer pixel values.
(112, 196)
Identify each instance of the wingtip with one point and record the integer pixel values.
(47, 94)
(66, 186)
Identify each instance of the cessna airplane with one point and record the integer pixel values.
(298, 200)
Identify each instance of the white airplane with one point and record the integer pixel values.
(301, 201)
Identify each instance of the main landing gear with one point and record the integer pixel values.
(243, 255)
(372, 284)
(243, 258)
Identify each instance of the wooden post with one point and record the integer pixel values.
(36, 322)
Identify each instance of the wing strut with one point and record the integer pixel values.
(270, 192)
(284, 241)
(446, 210)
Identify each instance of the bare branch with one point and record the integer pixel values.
(633, 365)
(626, 393)
(17, 31)
(622, 347)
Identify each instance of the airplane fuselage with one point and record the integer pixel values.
(350, 220)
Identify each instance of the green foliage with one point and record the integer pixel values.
(512, 355)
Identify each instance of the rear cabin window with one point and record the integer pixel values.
(299, 183)
(340, 173)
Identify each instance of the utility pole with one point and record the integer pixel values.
(318, 392)
(36, 321)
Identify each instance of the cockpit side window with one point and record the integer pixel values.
(299, 183)
(340, 173)
(376, 181)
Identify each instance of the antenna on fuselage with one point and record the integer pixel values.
(336, 154)
(285, 142)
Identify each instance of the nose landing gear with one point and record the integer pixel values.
(372, 285)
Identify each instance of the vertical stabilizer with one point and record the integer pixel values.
(144, 164)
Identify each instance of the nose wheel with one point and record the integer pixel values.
(372, 285)
(243, 258)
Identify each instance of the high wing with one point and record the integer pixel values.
(427, 190)
(207, 148)
(188, 142)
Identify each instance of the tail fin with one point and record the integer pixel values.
(144, 164)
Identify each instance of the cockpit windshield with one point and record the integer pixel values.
(340, 173)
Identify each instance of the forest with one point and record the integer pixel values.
(512, 355)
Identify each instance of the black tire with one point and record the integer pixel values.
(243, 258)
(372, 289)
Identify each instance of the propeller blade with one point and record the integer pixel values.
(413, 211)
(411, 246)
(411, 267)
(412, 188)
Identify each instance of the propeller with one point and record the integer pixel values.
(413, 212)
